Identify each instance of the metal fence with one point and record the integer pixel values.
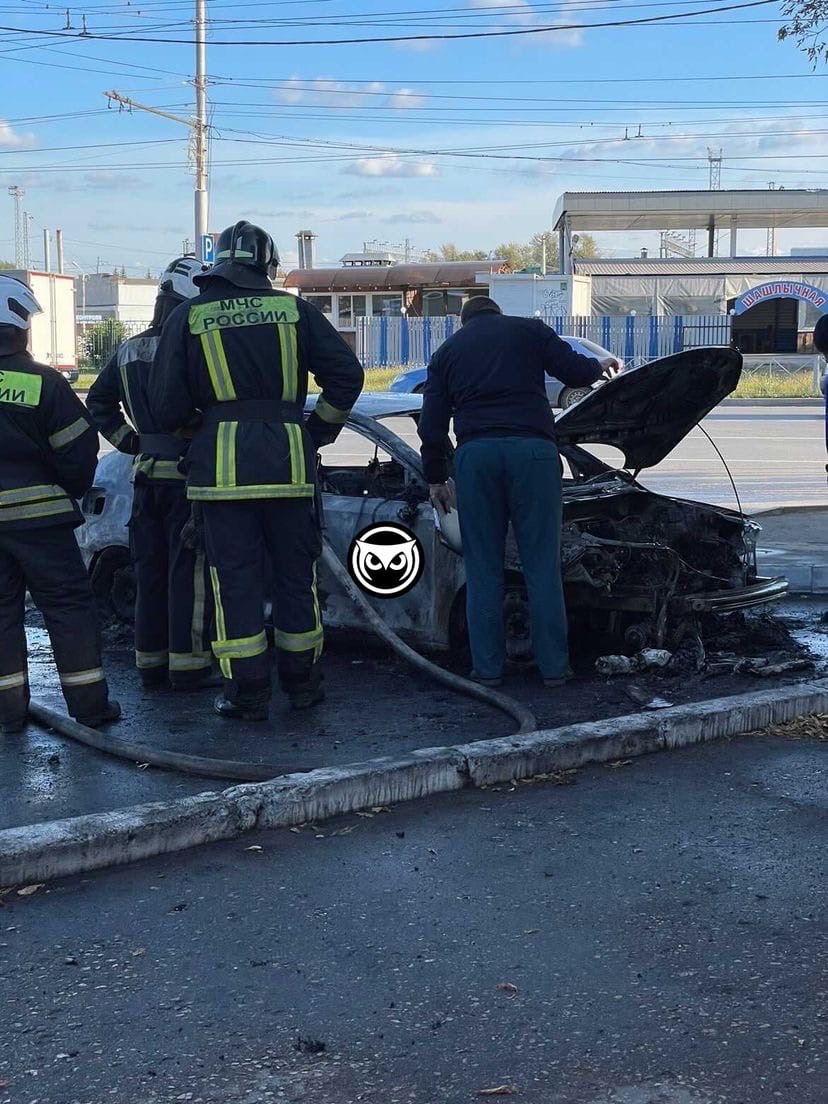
(386, 342)
(97, 341)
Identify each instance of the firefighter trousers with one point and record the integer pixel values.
(173, 607)
(257, 549)
(47, 562)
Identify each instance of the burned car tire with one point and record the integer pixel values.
(113, 582)
(519, 651)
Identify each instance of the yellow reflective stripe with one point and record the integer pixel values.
(199, 606)
(330, 414)
(31, 494)
(119, 434)
(221, 628)
(190, 661)
(317, 614)
(20, 388)
(40, 509)
(12, 682)
(248, 310)
(297, 642)
(158, 469)
(127, 397)
(81, 678)
(226, 454)
(69, 434)
(267, 490)
(243, 647)
(213, 348)
(296, 445)
(145, 660)
(290, 363)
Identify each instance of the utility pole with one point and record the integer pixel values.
(200, 132)
(197, 125)
(19, 226)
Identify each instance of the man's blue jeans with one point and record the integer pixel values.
(517, 479)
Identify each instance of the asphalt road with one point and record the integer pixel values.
(776, 454)
(649, 935)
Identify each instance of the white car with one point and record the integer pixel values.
(412, 380)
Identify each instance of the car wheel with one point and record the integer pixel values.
(571, 395)
(516, 622)
(113, 583)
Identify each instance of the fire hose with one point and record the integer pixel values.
(252, 772)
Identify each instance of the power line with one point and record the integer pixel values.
(677, 18)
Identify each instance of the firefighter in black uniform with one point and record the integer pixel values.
(48, 454)
(240, 355)
(172, 611)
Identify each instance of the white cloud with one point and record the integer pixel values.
(323, 92)
(388, 164)
(412, 218)
(526, 16)
(406, 98)
(12, 139)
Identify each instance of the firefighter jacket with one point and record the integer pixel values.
(121, 392)
(240, 357)
(48, 447)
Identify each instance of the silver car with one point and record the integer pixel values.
(640, 565)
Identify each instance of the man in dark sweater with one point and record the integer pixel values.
(489, 377)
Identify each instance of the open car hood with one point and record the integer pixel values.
(646, 411)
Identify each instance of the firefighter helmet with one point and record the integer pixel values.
(177, 278)
(249, 245)
(17, 303)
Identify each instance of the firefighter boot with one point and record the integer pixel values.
(110, 713)
(251, 702)
(304, 695)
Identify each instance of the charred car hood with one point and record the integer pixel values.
(646, 412)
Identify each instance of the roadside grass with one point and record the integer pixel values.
(376, 379)
(797, 385)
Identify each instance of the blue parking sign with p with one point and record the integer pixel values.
(208, 249)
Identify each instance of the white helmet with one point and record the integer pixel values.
(17, 304)
(177, 278)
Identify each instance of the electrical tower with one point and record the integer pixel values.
(20, 227)
(714, 157)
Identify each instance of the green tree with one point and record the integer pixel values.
(529, 254)
(807, 23)
(518, 254)
(449, 252)
(6, 266)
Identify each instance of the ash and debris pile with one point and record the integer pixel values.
(759, 645)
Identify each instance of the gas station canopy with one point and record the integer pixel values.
(747, 209)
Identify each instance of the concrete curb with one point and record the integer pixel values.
(39, 852)
(807, 400)
(781, 511)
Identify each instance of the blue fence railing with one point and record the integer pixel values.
(387, 342)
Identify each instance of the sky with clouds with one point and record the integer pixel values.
(433, 139)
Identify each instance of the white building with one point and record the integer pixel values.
(103, 296)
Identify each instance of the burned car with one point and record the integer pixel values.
(637, 564)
